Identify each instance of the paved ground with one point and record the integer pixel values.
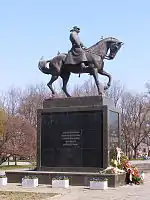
(141, 192)
(139, 162)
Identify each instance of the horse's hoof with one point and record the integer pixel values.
(100, 93)
(53, 96)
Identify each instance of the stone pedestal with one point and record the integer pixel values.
(76, 134)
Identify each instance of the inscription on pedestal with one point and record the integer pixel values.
(71, 139)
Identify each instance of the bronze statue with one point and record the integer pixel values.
(77, 54)
(93, 57)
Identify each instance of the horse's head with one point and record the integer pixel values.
(102, 47)
(114, 45)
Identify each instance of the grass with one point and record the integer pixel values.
(21, 161)
(137, 159)
(25, 195)
(9, 167)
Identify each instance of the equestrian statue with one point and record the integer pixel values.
(80, 60)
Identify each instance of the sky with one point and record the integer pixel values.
(30, 29)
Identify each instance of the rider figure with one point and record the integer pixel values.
(77, 54)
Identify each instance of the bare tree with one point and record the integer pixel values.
(135, 120)
(19, 138)
(115, 92)
(20, 106)
(10, 99)
(31, 100)
(2, 100)
(77, 91)
(147, 85)
(88, 88)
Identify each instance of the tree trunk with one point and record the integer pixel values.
(126, 149)
(8, 161)
(15, 160)
(135, 153)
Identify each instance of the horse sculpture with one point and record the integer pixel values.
(95, 62)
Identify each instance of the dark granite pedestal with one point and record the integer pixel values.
(77, 134)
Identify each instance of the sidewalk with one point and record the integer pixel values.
(128, 192)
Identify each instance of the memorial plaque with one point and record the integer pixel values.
(71, 139)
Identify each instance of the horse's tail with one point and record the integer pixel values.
(44, 66)
(44, 69)
(52, 66)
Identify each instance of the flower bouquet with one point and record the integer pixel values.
(122, 165)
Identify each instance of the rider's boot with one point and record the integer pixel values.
(83, 66)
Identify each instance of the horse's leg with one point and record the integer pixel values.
(95, 75)
(53, 78)
(65, 77)
(102, 72)
(97, 65)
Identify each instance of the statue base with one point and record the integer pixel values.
(77, 133)
(78, 101)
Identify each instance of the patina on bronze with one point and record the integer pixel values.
(93, 58)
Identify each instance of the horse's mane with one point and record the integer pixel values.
(98, 48)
